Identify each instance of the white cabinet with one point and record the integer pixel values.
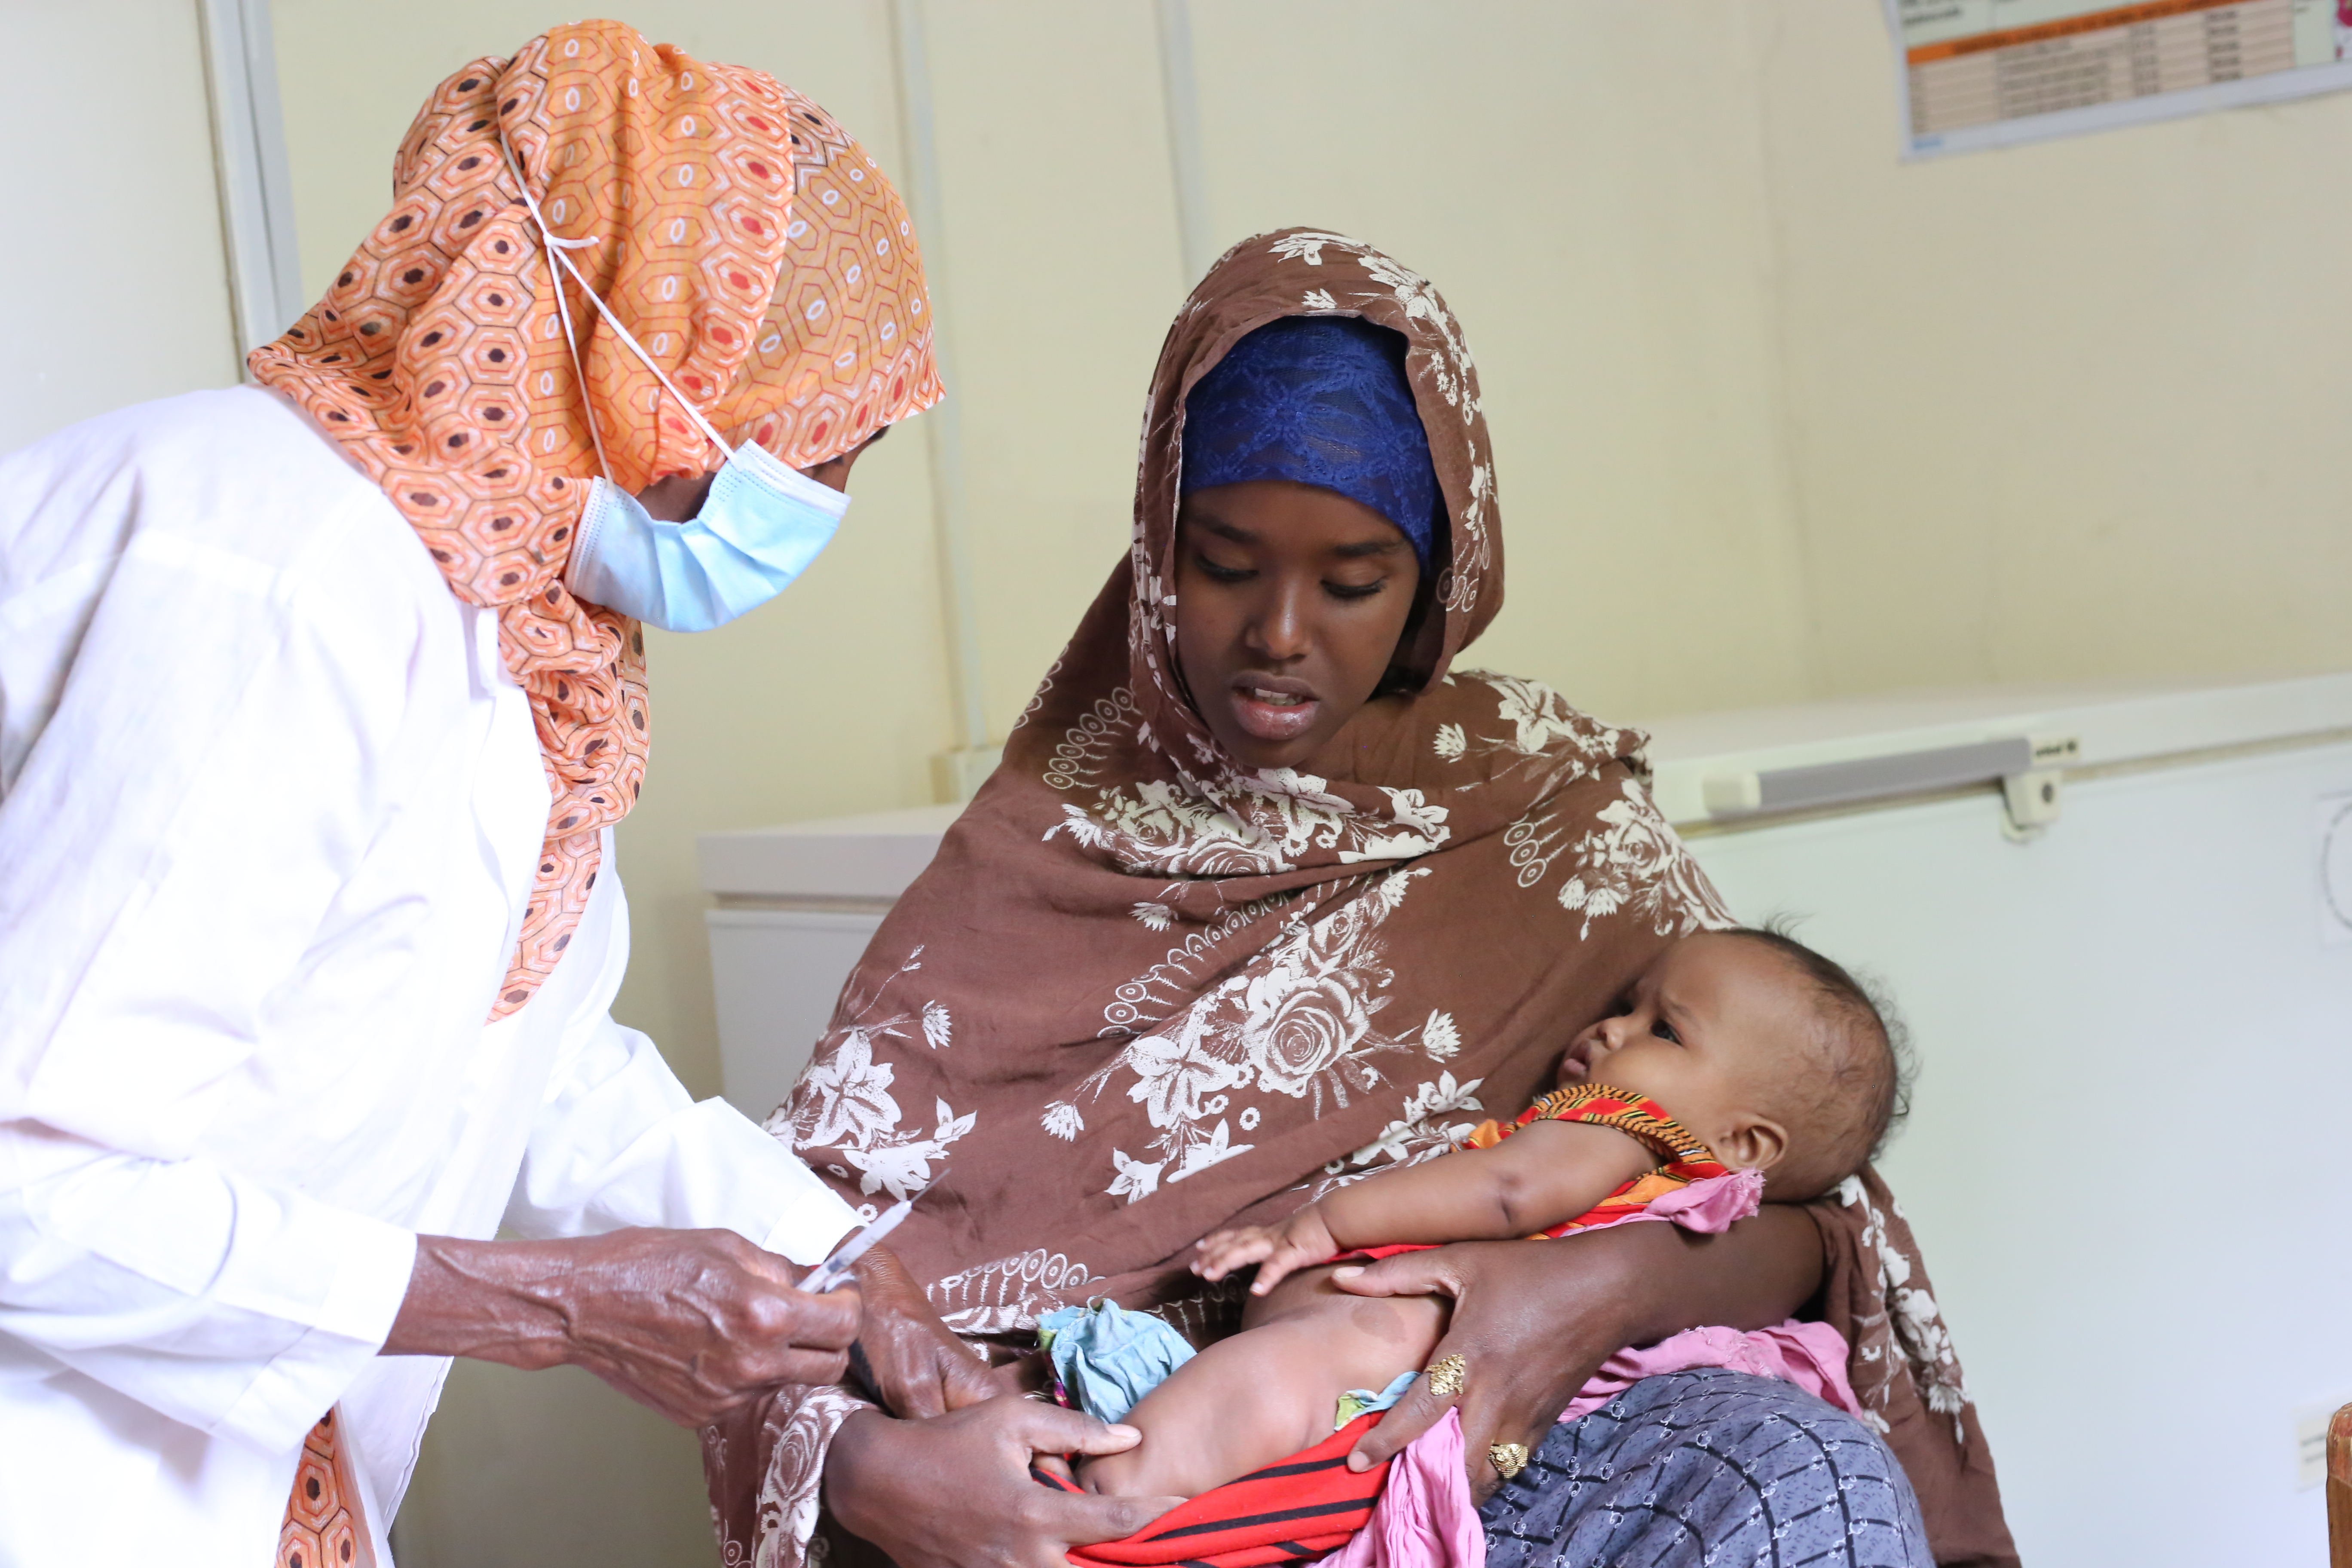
(793, 908)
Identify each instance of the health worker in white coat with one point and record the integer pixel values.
(318, 701)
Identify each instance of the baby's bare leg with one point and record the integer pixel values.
(1269, 1391)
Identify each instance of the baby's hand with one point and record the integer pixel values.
(1279, 1250)
(1224, 1251)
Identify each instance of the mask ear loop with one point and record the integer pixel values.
(548, 243)
(555, 247)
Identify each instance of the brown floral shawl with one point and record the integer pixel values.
(1140, 992)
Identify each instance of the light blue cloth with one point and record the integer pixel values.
(1108, 1357)
(1363, 1401)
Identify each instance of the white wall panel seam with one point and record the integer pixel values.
(256, 195)
(944, 430)
(1187, 163)
(1765, 30)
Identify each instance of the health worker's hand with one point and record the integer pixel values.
(956, 1489)
(909, 1357)
(1533, 1321)
(1299, 1242)
(692, 1323)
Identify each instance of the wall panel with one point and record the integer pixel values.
(114, 271)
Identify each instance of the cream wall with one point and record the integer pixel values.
(2067, 410)
(1775, 415)
(2058, 411)
(1631, 386)
(114, 272)
(1585, 184)
(1615, 290)
(1062, 270)
(1614, 286)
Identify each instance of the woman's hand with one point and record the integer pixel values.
(909, 1358)
(1533, 1321)
(1530, 1327)
(1299, 1242)
(691, 1324)
(956, 1489)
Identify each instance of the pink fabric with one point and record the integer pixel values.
(1424, 1518)
(1711, 1206)
(1811, 1355)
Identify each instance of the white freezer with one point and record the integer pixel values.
(795, 907)
(2134, 1029)
(2134, 1038)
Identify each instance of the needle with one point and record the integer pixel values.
(829, 1274)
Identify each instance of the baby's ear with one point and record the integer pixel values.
(1752, 1143)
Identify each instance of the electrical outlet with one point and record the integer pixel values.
(2311, 1442)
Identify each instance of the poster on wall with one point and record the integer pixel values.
(1991, 73)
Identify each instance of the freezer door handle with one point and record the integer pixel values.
(1822, 785)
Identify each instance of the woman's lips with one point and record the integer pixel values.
(1274, 708)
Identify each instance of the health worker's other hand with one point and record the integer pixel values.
(956, 1489)
(911, 1359)
(691, 1324)
(1280, 1251)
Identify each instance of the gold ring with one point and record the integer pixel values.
(1508, 1458)
(1445, 1376)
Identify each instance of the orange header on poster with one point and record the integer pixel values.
(2042, 32)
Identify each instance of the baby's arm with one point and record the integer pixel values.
(1544, 1174)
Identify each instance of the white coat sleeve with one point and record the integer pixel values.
(620, 1142)
(234, 1307)
(177, 831)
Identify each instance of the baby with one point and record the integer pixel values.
(1761, 1055)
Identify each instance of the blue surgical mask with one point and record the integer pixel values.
(758, 529)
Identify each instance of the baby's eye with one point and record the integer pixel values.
(1665, 1032)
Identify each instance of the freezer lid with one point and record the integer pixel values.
(849, 859)
(1709, 767)
(1723, 766)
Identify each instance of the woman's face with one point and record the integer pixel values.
(1289, 603)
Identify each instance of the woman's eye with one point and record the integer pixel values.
(1355, 590)
(1217, 573)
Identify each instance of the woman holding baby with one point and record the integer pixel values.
(1268, 896)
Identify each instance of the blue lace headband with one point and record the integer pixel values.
(1321, 400)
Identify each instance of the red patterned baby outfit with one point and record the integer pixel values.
(1683, 1159)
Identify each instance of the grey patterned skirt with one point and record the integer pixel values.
(1711, 1468)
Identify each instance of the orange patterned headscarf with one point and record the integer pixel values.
(753, 250)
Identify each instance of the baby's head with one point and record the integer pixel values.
(1773, 1055)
